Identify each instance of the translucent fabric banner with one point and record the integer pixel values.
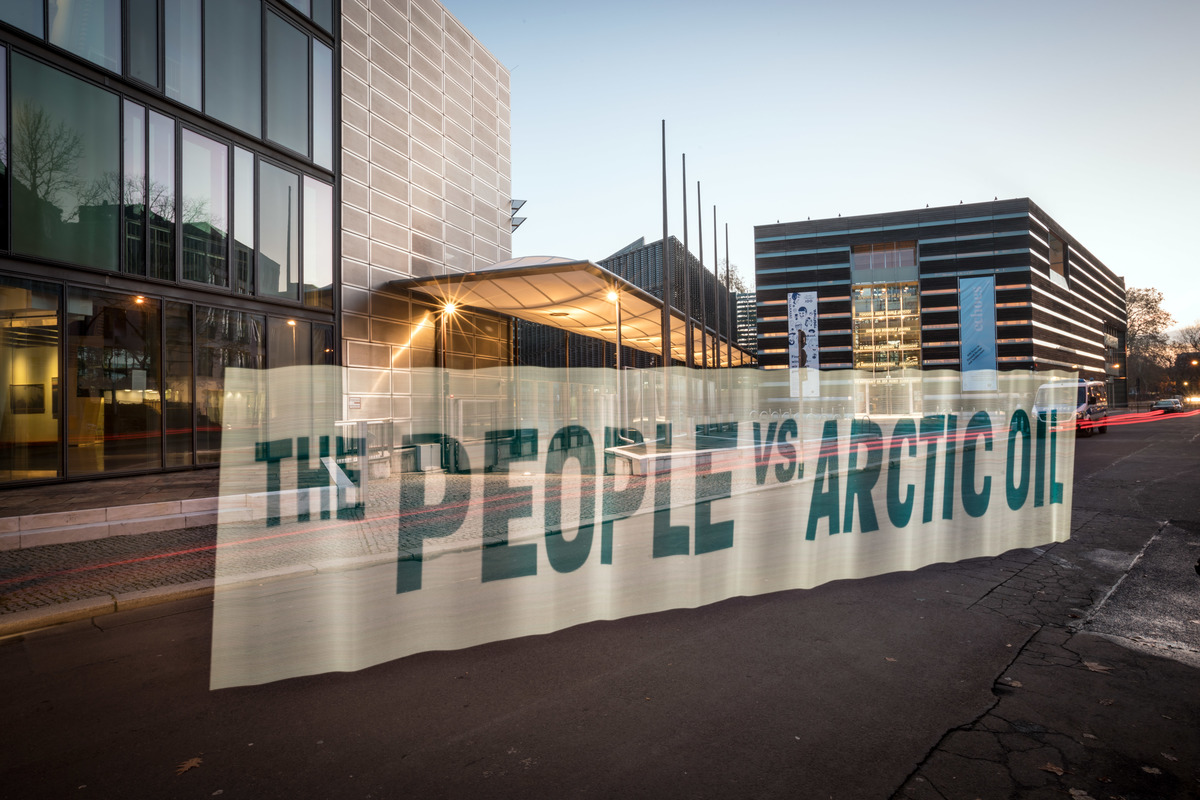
(448, 509)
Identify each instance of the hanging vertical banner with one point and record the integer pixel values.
(803, 354)
(977, 320)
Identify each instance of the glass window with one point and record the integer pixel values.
(133, 187)
(322, 13)
(243, 221)
(224, 338)
(30, 396)
(65, 159)
(322, 104)
(88, 28)
(233, 63)
(318, 243)
(287, 85)
(3, 153)
(302, 6)
(182, 51)
(322, 344)
(177, 399)
(114, 400)
(24, 14)
(290, 342)
(143, 40)
(279, 232)
(162, 196)
(205, 212)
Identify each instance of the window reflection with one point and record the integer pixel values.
(224, 338)
(143, 40)
(177, 398)
(66, 161)
(322, 105)
(30, 396)
(318, 243)
(287, 85)
(243, 221)
(161, 198)
(205, 212)
(24, 14)
(182, 51)
(888, 255)
(114, 398)
(232, 63)
(133, 187)
(88, 28)
(279, 232)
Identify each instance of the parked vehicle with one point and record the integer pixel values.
(1170, 405)
(1083, 403)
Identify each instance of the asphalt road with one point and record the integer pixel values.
(1031, 674)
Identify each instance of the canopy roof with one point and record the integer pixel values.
(571, 295)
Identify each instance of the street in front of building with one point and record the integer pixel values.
(1070, 667)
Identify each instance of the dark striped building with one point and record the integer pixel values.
(888, 291)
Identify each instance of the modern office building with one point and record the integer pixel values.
(996, 285)
(747, 321)
(195, 185)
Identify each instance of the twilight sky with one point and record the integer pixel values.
(788, 110)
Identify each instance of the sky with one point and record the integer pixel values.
(792, 110)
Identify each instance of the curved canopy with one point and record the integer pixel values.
(572, 295)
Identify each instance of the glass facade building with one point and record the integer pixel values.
(891, 294)
(192, 185)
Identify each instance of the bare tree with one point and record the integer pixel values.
(736, 282)
(1188, 337)
(1148, 349)
(44, 153)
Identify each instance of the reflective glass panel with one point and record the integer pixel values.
(287, 85)
(177, 399)
(24, 14)
(161, 197)
(30, 395)
(243, 221)
(322, 13)
(143, 40)
(322, 104)
(290, 342)
(66, 162)
(224, 338)
(182, 50)
(232, 63)
(303, 6)
(205, 212)
(133, 187)
(3, 153)
(279, 232)
(88, 28)
(114, 398)
(318, 243)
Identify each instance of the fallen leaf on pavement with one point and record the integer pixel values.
(191, 763)
(1080, 794)
(1052, 768)
(1152, 770)
(1088, 736)
(1097, 667)
(886, 658)
(1169, 757)
(1106, 702)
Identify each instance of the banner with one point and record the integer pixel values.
(977, 322)
(803, 353)
(519, 501)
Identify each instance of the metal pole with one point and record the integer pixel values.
(688, 342)
(729, 312)
(700, 236)
(666, 260)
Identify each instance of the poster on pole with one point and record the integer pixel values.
(977, 319)
(803, 355)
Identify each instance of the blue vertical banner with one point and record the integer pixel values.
(977, 321)
(803, 354)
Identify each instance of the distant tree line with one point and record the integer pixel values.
(1152, 348)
